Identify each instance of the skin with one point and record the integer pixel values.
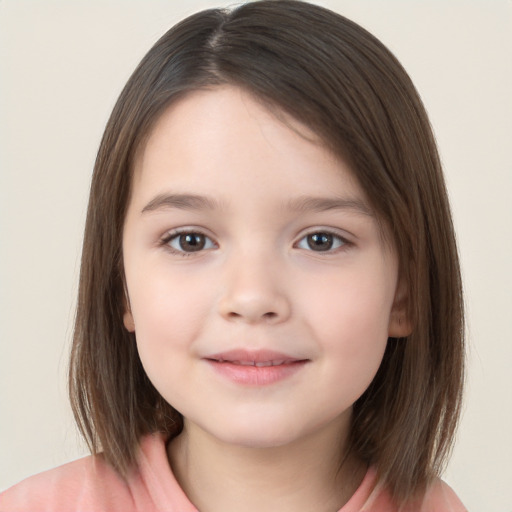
(258, 282)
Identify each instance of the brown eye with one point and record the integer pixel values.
(190, 242)
(321, 241)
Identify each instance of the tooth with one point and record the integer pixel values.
(264, 363)
(277, 363)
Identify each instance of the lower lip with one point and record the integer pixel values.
(256, 375)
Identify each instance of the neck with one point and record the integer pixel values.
(302, 475)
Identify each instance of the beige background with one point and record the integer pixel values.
(62, 65)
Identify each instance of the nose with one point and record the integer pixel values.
(253, 293)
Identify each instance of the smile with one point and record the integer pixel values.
(255, 368)
(259, 364)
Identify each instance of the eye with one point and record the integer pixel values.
(187, 242)
(321, 241)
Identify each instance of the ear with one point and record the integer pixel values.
(400, 325)
(128, 321)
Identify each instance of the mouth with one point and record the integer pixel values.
(255, 368)
(259, 364)
(259, 358)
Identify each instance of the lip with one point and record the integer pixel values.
(255, 367)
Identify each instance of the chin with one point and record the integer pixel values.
(259, 435)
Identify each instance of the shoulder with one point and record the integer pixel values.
(85, 484)
(439, 497)
(90, 484)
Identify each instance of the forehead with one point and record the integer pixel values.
(211, 133)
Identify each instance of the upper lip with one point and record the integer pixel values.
(253, 357)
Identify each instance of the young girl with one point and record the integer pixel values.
(270, 312)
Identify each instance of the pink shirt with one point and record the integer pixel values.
(91, 485)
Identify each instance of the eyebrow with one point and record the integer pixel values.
(181, 202)
(300, 205)
(323, 204)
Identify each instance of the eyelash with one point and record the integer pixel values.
(341, 242)
(169, 237)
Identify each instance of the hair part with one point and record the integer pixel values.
(336, 78)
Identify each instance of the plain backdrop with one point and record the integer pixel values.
(62, 65)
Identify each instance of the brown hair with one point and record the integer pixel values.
(335, 77)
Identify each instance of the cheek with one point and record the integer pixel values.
(166, 300)
(351, 305)
(167, 312)
(350, 321)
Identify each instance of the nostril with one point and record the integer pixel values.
(270, 315)
(253, 307)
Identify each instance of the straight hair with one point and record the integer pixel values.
(333, 76)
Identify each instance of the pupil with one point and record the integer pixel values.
(192, 242)
(320, 241)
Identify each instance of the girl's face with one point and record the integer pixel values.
(260, 289)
